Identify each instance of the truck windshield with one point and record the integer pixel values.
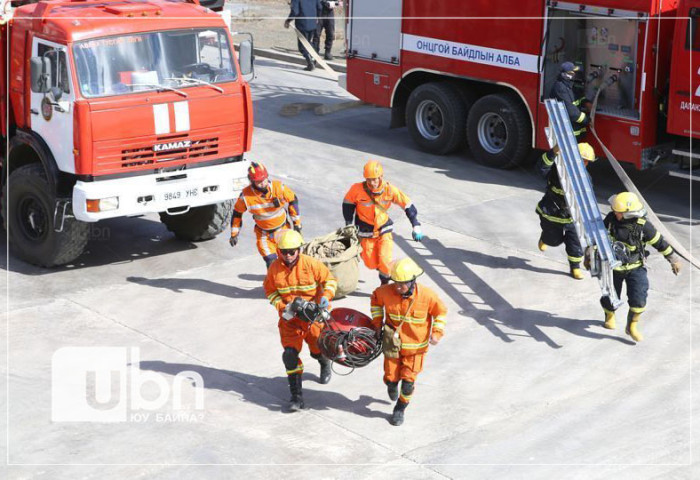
(149, 61)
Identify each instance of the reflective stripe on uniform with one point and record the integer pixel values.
(407, 319)
(629, 266)
(552, 218)
(413, 346)
(655, 239)
(297, 288)
(557, 190)
(637, 309)
(574, 259)
(668, 251)
(546, 160)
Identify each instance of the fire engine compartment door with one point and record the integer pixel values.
(375, 29)
(601, 47)
(684, 90)
(51, 119)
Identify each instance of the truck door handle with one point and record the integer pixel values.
(34, 111)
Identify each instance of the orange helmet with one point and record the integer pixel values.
(257, 172)
(373, 169)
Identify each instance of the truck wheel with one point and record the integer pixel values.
(28, 216)
(436, 117)
(200, 223)
(499, 131)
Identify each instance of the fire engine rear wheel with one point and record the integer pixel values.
(199, 223)
(498, 131)
(436, 117)
(29, 220)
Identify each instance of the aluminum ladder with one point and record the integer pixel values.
(580, 198)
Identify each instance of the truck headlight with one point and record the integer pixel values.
(102, 204)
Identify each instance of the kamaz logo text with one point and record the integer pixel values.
(164, 147)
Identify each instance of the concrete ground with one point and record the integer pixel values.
(525, 384)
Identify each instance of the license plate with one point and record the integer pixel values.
(180, 194)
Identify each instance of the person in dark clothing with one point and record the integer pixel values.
(630, 232)
(305, 14)
(326, 22)
(563, 90)
(555, 217)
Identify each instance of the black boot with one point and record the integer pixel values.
(326, 371)
(392, 389)
(309, 65)
(397, 417)
(327, 55)
(297, 402)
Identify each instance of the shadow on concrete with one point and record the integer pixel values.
(252, 277)
(482, 302)
(177, 285)
(271, 393)
(110, 242)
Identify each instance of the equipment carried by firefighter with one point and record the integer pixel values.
(581, 200)
(349, 339)
(340, 252)
(308, 311)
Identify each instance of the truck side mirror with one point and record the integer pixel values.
(40, 74)
(245, 57)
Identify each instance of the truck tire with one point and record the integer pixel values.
(200, 223)
(436, 117)
(499, 131)
(28, 207)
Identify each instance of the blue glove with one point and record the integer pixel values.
(323, 303)
(417, 233)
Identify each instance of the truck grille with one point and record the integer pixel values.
(199, 149)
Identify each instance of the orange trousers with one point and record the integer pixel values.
(293, 333)
(265, 242)
(406, 367)
(377, 252)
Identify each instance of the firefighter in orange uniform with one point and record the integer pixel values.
(418, 316)
(273, 206)
(368, 204)
(297, 275)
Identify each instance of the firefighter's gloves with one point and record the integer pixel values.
(287, 23)
(323, 303)
(297, 228)
(233, 241)
(675, 263)
(417, 233)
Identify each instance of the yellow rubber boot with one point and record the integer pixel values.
(631, 330)
(577, 273)
(609, 320)
(542, 246)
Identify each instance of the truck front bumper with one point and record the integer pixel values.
(171, 191)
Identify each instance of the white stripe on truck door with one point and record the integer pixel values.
(161, 118)
(182, 116)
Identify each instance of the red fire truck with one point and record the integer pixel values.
(118, 108)
(479, 70)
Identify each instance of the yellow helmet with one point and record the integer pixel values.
(586, 151)
(405, 270)
(625, 202)
(373, 169)
(290, 240)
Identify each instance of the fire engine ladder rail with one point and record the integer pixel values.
(580, 198)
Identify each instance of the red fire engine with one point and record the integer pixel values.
(118, 108)
(480, 70)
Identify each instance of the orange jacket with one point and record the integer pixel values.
(308, 278)
(373, 218)
(269, 210)
(426, 315)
